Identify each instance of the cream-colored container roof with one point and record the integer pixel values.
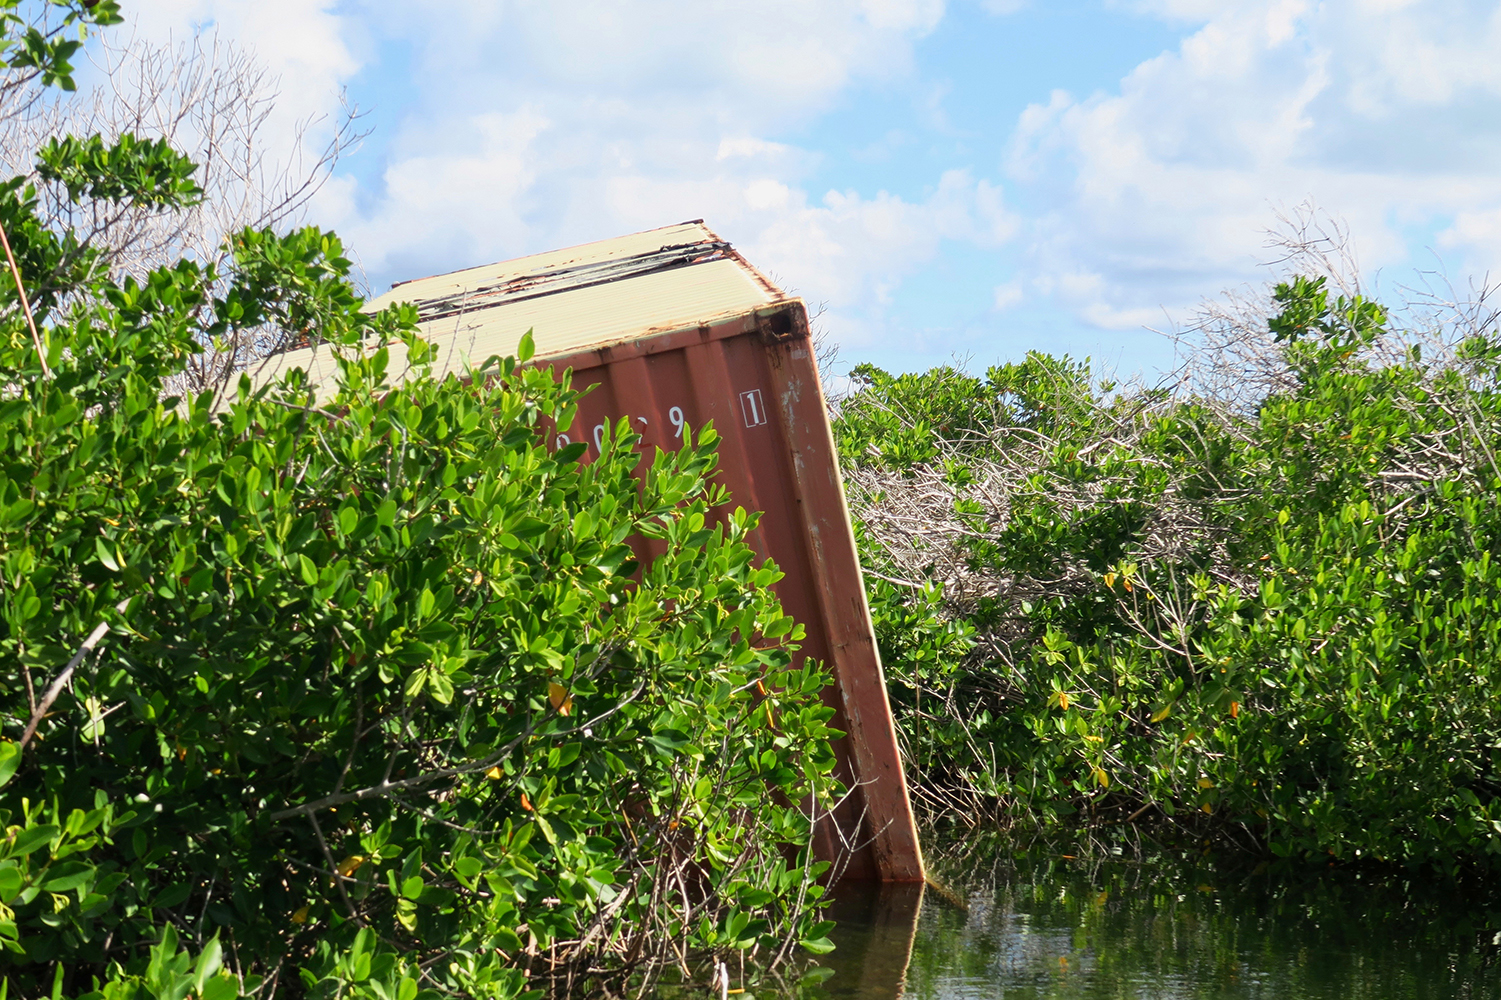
(572, 300)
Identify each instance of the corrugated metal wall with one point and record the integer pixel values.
(755, 378)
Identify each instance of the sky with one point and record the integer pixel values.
(941, 180)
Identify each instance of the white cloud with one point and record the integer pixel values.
(1003, 7)
(1194, 11)
(648, 113)
(749, 146)
(1382, 112)
(1008, 295)
(451, 205)
(748, 64)
(290, 56)
(302, 42)
(530, 125)
(1476, 235)
(849, 250)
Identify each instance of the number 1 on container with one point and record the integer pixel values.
(750, 406)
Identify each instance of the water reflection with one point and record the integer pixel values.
(1060, 928)
(876, 927)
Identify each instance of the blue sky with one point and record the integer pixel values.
(945, 178)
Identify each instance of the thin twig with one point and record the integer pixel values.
(56, 687)
(36, 338)
(333, 867)
(387, 787)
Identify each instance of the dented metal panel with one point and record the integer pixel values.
(674, 329)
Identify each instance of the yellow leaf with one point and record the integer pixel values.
(1207, 807)
(495, 774)
(1235, 710)
(1110, 580)
(526, 803)
(1095, 739)
(1063, 700)
(1162, 713)
(1205, 783)
(300, 917)
(558, 695)
(350, 865)
(1102, 777)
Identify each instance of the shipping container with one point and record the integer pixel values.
(674, 329)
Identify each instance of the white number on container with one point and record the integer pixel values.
(676, 416)
(599, 437)
(750, 405)
(563, 439)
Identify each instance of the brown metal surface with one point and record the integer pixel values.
(754, 376)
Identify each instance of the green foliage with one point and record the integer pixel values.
(1281, 628)
(1349, 324)
(39, 44)
(367, 693)
(925, 649)
(145, 172)
(898, 421)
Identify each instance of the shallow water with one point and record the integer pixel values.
(1061, 928)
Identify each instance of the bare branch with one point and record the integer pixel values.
(61, 680)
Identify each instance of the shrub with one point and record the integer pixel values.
(1279, 626)
(366, 693)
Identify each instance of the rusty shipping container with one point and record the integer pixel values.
(674, 328)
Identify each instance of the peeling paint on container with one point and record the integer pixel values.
(675, 329)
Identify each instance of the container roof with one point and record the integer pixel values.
(572, 300)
